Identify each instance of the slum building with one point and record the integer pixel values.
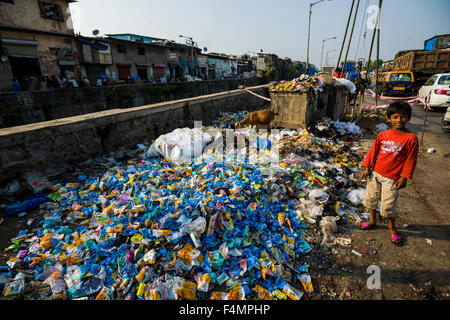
(37, 40)
(149, 58)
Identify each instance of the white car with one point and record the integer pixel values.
(436, 91)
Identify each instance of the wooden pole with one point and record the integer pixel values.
(378, 48)
(424, 124)
(351, 33)
(345, 35)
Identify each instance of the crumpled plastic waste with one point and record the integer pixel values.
(382, 127)
(329, 228)
(229, 119)
(347, 127)
(156, 229)
(29, 204)
(356, 196)
(349, 84)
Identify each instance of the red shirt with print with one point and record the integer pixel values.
(393, 154)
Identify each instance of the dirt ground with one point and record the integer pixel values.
(419, 270)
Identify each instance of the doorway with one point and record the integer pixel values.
(142, 73)
(25, 70)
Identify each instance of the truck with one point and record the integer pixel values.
(433, 59)
(328, 69)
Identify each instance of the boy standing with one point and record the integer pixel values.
(392, 158)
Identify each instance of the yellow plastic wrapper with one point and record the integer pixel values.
(140, 291)
(189, 290)
(292, 292)
(203, 280)
(305, 280)
(280, 295)
(137, 238)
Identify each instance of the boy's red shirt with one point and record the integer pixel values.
(393, 154)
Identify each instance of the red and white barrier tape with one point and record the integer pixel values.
(414, 98)
(358, 107)
(257, 95)
(386, 105)
(367, 107)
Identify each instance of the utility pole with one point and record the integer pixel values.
(309, 33)
(321, 56)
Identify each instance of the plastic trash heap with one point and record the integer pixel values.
(155, 229)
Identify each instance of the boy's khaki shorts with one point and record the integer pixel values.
(383, 188)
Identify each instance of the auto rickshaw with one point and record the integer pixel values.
(396, 84)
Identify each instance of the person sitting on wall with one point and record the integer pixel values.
(16, 85)
(62, 81)
(73, 83)
(85, 82)
(99, 82)
(54, 82)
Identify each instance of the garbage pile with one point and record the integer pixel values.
(305, 83)
(300, 84)
(155, 229)
(228, 119)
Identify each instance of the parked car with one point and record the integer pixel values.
(436, 91)
(396, 84)
(446, 121)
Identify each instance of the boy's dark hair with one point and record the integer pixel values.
(399, 107)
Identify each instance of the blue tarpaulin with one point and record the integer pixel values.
(429, 44)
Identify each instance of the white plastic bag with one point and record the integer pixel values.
(347, 127)
(319, 196)
(180, 145)
(382, 127)
(356, 196)
(350, 85)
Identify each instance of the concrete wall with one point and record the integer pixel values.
(36, 106)
(36, 147)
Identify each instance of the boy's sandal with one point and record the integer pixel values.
(396, 239)
(366, 226)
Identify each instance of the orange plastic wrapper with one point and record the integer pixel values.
(189, 255)
(263, 294)
(103, 294)
(71, 260)
(217, 295)
(45, 242)
(237, 293)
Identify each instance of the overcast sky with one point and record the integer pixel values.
(280, 27)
